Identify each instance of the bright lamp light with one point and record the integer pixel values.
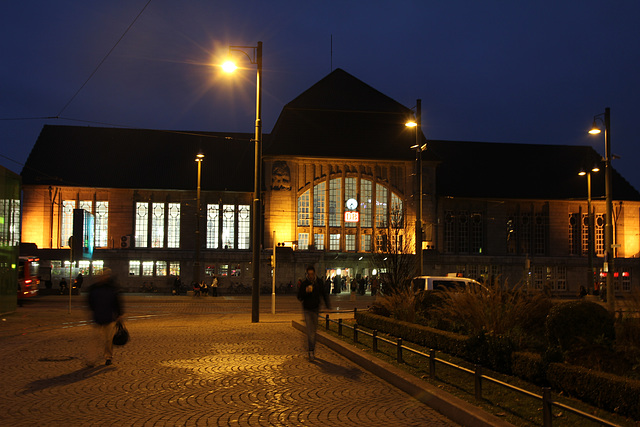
(229, 66)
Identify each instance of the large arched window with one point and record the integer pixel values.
(320, 211)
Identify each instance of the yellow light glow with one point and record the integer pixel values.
(229, 66)
(411, 124)
(595, 131)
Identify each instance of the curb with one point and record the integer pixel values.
(448, 405)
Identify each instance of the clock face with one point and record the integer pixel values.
(352, 204)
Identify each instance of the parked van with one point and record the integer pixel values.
(430, 283)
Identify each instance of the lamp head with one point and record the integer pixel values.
(199, 157)
(411, 124)
(229, 66)
(582, 173)
(595, 130)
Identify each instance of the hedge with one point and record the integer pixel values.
(606, 391)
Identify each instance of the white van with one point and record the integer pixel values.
(430, 283)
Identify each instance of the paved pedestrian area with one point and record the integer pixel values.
(189, 363)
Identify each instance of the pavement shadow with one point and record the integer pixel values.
(337, 370)
(65, 379)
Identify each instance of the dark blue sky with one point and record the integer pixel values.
(496, 71)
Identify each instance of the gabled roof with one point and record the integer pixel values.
(341, 116)
(139, 158)
(522, 171)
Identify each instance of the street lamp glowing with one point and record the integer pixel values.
(229, 66)
(595, 130)
(411, 124)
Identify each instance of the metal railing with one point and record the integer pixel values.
(547, 402)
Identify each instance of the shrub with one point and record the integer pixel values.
(579, 324)
(529, 367)
(498, 310)
(492, 351)
(401, 304)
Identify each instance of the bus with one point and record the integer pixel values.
(28, 278)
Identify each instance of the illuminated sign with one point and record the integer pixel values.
(351, 216)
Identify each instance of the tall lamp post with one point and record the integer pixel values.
(196, 264)
(254, 58)
(419, 149)
(591, 274)
(608, 227)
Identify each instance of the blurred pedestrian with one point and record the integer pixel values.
(106, 307)
(311, 291)
(214, 287)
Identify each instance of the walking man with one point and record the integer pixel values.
(106, 307)
(310, 292)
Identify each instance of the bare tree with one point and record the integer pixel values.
(393, 255)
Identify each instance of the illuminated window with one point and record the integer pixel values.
(224, 269)
(350, 242)
(147, 268)
(319, 204)
(235, 270)
(318, 241)
(157, 225)
(381, 206)
(97, 266)
(161, 268)
(84, 267)
(173, 226)
(174, 268)
(350, 192)
(213, 217)
(66, 226)
(334, 242)
(142, 224)
(228, 226)
(303, 241)
(365, 203)
(244, 226)
(303, 209)
(561, 277)
(599, 234)
(397, 212)
(134, 267)
(538, 276)
(102, 224)
(335, 202)
(365, 245)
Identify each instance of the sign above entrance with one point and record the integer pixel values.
(351, 216)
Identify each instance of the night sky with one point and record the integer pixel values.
(494, 71)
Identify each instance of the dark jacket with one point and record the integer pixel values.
(104, 301)
(311, 300)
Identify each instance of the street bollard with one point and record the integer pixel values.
(374, 336)
(478, 385)
(339, 327)
(326, 325)
(355, 333)
(432, 363)
(547, 415)
(399, 350)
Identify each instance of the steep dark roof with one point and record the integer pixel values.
(527, 171)
(139, 158)
(341, 116)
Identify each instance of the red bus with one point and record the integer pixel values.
(28, 278)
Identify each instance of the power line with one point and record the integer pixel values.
(103, 60)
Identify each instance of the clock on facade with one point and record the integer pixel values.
(352, 204)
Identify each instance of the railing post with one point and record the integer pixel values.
(547, 415)
(399, 352)
(326, 325)
(355, 311)
(339, 327)
(432, 363)
(374, 336)
(478, 385)
(355, 333)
